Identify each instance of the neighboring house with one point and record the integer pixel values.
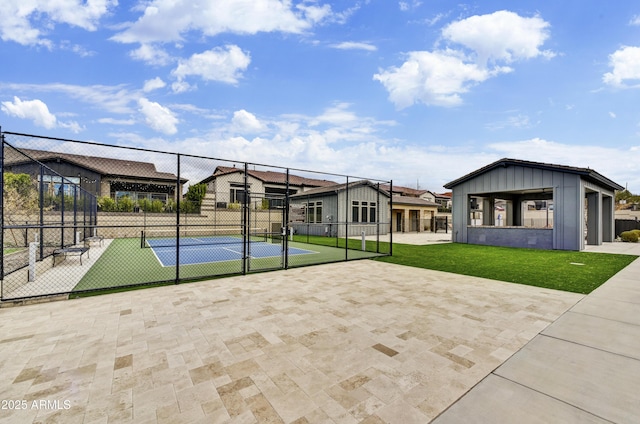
(100, 176)
(576, 202)
(341, 210)
(226, 186)
(443, 199)
(413, 210)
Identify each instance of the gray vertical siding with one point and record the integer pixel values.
(567, 200)
(339, 207)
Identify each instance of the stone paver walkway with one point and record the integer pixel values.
(341, 343)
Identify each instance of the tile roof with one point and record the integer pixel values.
(101, 165)
(415, 201)
(406, 191)
(273, 177)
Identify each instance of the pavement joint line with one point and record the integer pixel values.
(587, 346)
(548, 396)
(598, 316)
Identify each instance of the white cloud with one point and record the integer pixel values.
(626, 67)
(164, 21)
(612, 115)
(158, 117)
(500, 36)
(516, 121)
(151, 55)
(635, 20)
(354, 45)
(406, 6)
(433, 78)
(477, 47)
(605, 160)
(348, 143)
(246, 122)
(181, 87)
(34, 110)
(112, 98)
(38, 112)
(21, 19)
(337, 115)
(113, 121)
(153, 84)
(72, 126)
(218, 64)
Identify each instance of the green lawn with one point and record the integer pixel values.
(9, 250)
(579, 272)
(124, 263)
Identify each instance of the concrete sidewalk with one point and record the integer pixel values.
(585, 367)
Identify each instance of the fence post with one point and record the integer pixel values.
(379, 206)
(178, 196)
(346, 221)
(285, 243)
(245, 221)
(391, 218)
(2, 210)
(75, 214)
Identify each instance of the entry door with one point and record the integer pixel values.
(413, 217)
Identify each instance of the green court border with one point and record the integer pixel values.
(124, 263)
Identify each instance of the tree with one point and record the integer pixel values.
(626, 197)
(194, 197)
(20, 200)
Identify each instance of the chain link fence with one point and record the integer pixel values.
(80, 217)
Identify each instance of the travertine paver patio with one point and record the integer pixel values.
(350, 342)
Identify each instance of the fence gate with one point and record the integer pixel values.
(266, 245)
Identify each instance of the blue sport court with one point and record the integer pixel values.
(201, 250)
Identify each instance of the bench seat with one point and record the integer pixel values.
(73, 251)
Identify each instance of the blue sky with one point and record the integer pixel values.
(421, 92)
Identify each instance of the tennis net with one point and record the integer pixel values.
(200, 236)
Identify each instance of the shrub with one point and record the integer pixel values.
(629, 236)
(170, 206)
(125, 204)
(106, 204)
(157, 206)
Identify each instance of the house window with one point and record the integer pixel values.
(159, 196)
(139, 196)
(364, 208)
(314, 212)
(55, 183)
(318, 212)
(363, 211)
(121, 194)
(237, 194)
(355, 211)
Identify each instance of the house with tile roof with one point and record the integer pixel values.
(100, 176)
(416, 210)
(227, 186)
